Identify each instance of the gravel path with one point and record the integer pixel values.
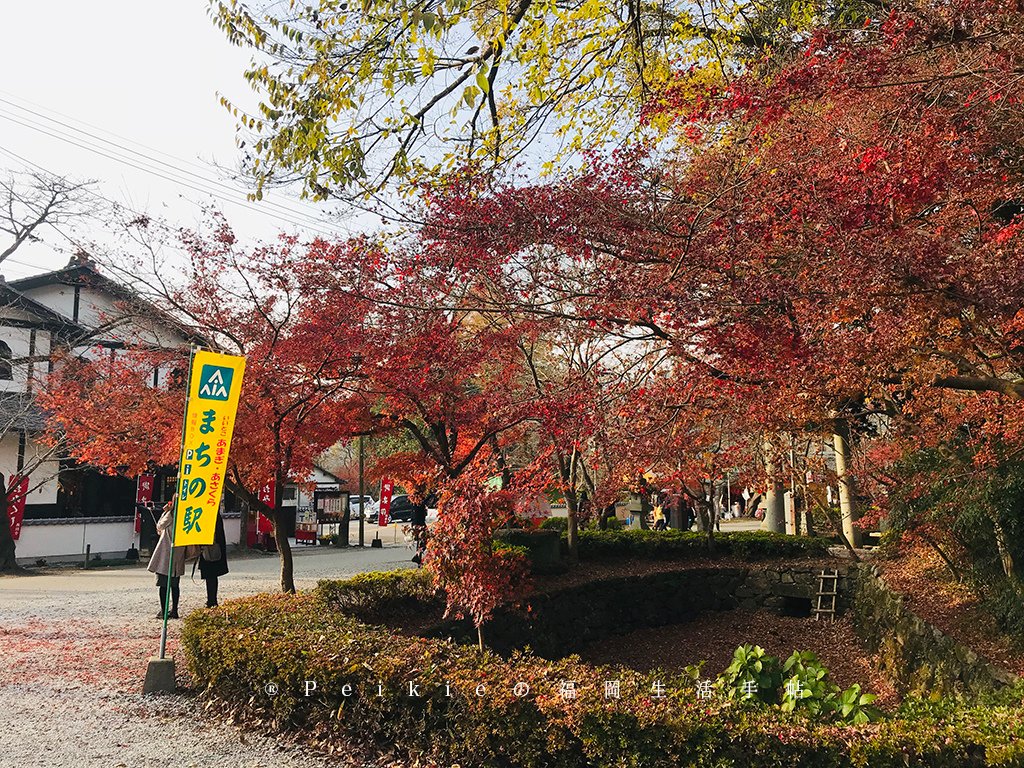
(74, 652)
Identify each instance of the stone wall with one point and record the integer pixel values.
(563, 621)
(916, 656)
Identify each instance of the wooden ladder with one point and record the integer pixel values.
(828, 588)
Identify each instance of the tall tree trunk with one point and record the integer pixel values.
(284, 549)
(953, 569)
(243, 524)
(774, 507)
(573, 527)
(567, 473)
(573, 509)
(807, 521)
(774, 498)
(847, 493)
(705, 519)
(1005, 555)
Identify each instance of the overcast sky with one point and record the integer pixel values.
(145, 76)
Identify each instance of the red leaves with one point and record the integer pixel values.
(475, 577)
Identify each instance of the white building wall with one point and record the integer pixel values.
(107, 539)
(19, 340)
(44, 476)
(59, 298)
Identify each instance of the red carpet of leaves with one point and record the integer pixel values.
(714, 636)
(107, 654)
(930, 591)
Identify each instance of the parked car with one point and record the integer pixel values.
(355, 507)
(401, 510)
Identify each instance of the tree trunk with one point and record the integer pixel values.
(847, 498)
(1005, 555)
(285, 551)
(705, 521)
(806, 517)
(283, 547)
(243, 522)
(573, 528)
(774, 499)
(945, 558)
(774, 507)
(480, 636)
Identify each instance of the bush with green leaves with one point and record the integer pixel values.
(363, 674)
(746, 545)
(378, 595)
(560, 524)
(752, 675)
(800, 684)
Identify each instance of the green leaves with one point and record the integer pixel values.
(801, 683)
(752, 675)
(855, 707)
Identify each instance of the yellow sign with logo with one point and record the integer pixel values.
(215, 382)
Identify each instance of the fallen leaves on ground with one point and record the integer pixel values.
(714, 636)
(930, 591)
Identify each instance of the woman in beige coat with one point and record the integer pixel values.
(161, 562)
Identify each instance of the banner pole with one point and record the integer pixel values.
(174, 514)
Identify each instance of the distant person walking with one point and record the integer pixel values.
(213, 562)
(659, 516)
(163, 563)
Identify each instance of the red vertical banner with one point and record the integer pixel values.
(143, 496)
(384, 513)
(268, 496)
(16, 494)
(144, 489)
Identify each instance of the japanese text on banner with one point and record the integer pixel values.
(215, 384)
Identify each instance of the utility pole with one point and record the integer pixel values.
(362, 496)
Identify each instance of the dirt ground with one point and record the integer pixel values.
(714, 636)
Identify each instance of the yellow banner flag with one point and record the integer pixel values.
(215, 382)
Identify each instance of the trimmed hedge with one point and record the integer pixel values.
(747, 545)
(381, 595)
(542, 547)
(235, 652)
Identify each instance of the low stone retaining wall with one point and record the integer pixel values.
(916, 656)
(563, 621)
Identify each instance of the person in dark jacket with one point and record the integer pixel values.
(213, 562)
(419, 528)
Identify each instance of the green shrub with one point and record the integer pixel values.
(236, 651)
(379, 595)
(560, 524)
(753, 674)
(747, 545)
(542, 547)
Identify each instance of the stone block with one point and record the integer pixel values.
(159, 676)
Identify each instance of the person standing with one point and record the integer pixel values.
(659, 515)
(419, 528)
(213, 562)
(167, 561)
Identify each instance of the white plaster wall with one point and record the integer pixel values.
(66, 539)
(18, 340)
(98, 308)
(59, 298)
(8, 454)
(232, 527)
(109, 539)
(45, 475)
